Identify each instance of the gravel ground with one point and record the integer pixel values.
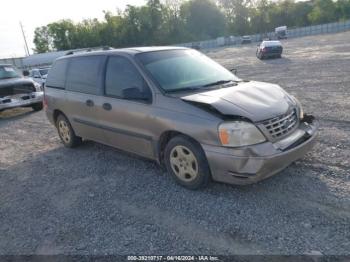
(98, 200)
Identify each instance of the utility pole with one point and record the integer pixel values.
(25, 39)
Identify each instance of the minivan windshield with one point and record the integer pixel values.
(8, 71)
(181, 70)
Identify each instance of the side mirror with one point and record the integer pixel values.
(135, 93)
(25, 73)
(234, 71)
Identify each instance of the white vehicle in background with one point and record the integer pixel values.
(246, 40)
(39, 75)
(281, 32)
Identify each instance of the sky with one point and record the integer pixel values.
(37, 13)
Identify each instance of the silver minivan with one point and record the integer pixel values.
(180, 108)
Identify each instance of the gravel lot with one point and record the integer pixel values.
(98, 200)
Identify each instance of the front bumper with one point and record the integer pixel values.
(251, 164)
(21, 100)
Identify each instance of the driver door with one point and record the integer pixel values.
(127, 121)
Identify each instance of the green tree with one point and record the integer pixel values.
(173, 27)
(324, 11)
(343, 9)
(203, 19)
(62, 34)
(237, 15)
(301, 12)
(161, 22)
(42, 40)
(260, 16)
(110, 30)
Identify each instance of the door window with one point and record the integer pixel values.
(57, 75)
(84, 74)
(124, 81)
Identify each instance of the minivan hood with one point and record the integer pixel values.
(256, 101)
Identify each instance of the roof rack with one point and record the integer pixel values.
(78, 51)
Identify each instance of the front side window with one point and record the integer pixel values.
(124, 81)
(84, 74)
(177, 70)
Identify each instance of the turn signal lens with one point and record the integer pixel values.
(224, 137)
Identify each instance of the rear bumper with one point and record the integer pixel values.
(21, 100)
(250, 165)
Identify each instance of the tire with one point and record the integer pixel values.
(186, 163)
(37, 106)
(66, 132)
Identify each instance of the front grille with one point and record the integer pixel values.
(281, 125)
(16, 89)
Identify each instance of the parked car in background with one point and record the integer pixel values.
(269, 49)
(180, 108)
(246, 40)
(39, 75)
(18, 91)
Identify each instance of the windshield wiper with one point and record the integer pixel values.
(190, 88)
(202, 87)
(221, 82)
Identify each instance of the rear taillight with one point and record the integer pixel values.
(263, 50)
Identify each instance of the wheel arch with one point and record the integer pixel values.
(56, 113)
(164, 139)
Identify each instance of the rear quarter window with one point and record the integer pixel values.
(84, 74)
(57, 75)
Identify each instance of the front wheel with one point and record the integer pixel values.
(66, 132)
(186, 163)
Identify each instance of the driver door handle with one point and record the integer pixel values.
(107, 106)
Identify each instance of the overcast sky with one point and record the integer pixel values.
(41, 12)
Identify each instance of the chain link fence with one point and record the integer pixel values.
(291, 33)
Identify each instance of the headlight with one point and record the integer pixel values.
(37, 87)
(300, 107)
(239, 133)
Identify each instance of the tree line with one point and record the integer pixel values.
(164, 22)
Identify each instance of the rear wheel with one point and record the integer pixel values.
(66, 132)
(186, 163)
(37, 106)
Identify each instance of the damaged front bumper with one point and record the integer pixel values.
(251, 164)
(21, 100)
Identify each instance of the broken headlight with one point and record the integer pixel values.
(300, 108)
(37, 87)
(239, 133)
